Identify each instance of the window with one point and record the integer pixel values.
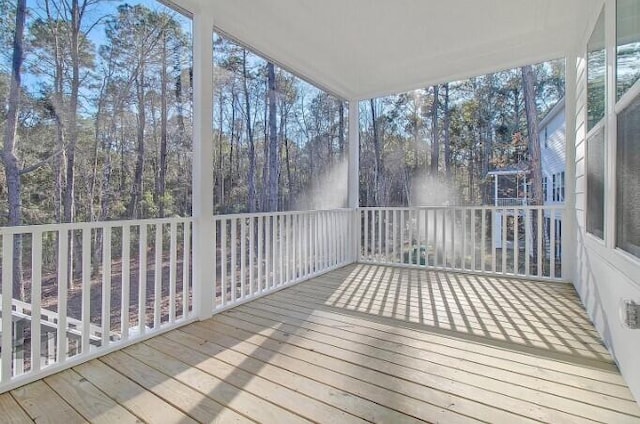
(546, 137)
(595, 183)
(628, 44)
(558, 239)
(561, 188)
(554, 189)
(628, 179)
(596, 72)
(545, 182)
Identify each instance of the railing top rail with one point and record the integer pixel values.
(485, 207)
(43, 228)
(281, 213)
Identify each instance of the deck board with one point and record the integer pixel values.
(364, 343)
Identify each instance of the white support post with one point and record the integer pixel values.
(354, 175)
(569, 222)
(203, 223)
(611, 126)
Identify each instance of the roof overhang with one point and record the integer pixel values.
(358, 49)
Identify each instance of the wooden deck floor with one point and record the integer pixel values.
(361, 344)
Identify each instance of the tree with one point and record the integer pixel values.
(9, 158)
(532, 133)
(535, 162)
(274, 151)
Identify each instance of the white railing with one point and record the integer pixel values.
(259, 253)
(513, 241)
(88, 288)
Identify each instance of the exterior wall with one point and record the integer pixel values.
(604, 275)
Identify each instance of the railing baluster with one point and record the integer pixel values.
(373, 235)
(540, 272)
(379, 232)
(483, 240)
(527, 241)
(36, 299)
(7, 293)
(402, 224)
(454, 212)
(142, 279)
(126, 282)
(86, 289)
(426, 237)
(252, 250)
(494, 238)
(516, 245)
(306, 244)
(223, 261)
(365, 227)
(173, 259)
(315, 253)
(274, 250)
(418, 238)
(106, 286)
(472, 229)
(243, 256)
(552, 243)
(261, 254)
(436, 245)
(63, 278)
(444, 238)
(463, 241)
(505, 221)
(157, 277)
(281, 248)
(186, 265)
(234, 259)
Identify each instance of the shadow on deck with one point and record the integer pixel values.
(363, 343)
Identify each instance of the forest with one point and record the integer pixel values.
(97, 123)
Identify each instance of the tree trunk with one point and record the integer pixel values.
(9, 158)
(274, 163)
(341, 127)
(162, 177)
(251, 183)
(136, 193)
(535, 162)
(435, 142)
(528, 80)
(447, 140)
(377, 150)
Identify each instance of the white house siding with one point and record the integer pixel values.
(604, 276)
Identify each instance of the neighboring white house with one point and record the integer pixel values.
(551, 132)
(512, 185)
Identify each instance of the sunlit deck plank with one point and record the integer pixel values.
(363, 343)
(479, 359)
(355, 386)
(222, 392)
(412, 364)
(90, 402)
(316, 392)
(11, 412)
(197, 405)
(144, 404)
(44, 405)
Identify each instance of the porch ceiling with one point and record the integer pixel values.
(359, 49)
